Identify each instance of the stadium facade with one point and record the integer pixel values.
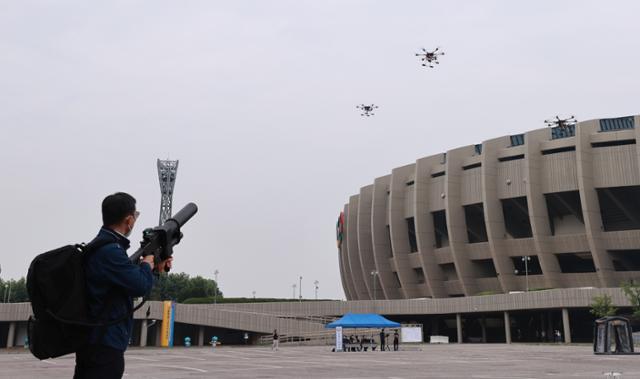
(550, 208)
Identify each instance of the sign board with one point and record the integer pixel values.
(338, 338)
(411, 334)
(439, 339)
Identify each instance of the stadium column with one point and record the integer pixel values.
(493, 216)
(354, 251)
(158, 333)
(507, 327)
(201, 335)
(456, 224)
(425, 236)
(566, 326)
(399, 211)
(143, 333)
(382, 252)
(11, 334)
(365, 245)
(459, 327)
(538, 214)
(590, 204)
(347, 280)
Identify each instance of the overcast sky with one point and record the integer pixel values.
(257, 101)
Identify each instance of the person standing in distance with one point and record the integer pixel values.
(396, 340)
(275, 340)
(382, 340)
(112, 282)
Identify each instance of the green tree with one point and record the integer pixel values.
(180, 287)
(632, 290)
(14, 291)
(197, 287)
(602, 306)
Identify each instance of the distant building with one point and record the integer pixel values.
(563, 201)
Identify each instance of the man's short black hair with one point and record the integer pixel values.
(116, 207)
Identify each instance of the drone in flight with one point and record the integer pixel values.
(367, 110)
(561, 122)
(429, 58)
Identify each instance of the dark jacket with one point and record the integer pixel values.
(109, 273)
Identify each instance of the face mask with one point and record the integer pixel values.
(128, 233)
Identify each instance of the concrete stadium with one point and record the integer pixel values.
(504, 241)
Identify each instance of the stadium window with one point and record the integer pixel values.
(517, 140)
(397, 278)
(449, 271)
(472, 166)
(474, 220)
(565, 212)
(411, 229)
(511, 158)
(484, 268)
(419, 274)
(516, 217)
(441, 232)
(558, 150)
(573, 263)
(625, 260)
(621, 123)
(619, 208)
(563, 131)
(533, 265)
(614, 143)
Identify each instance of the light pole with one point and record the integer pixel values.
(254, 295)
(316, 284)
(8, 293)
(300, 290)
(526, 260)
(294, 291)
(215, 294)
(373, 281)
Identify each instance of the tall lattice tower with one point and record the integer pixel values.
(167, 171)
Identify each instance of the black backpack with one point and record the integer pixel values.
(57, 290)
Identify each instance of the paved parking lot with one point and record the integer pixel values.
(426, 361)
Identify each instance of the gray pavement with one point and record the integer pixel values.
(425, 361)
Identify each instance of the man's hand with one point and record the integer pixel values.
(165, 265)
(149, 259)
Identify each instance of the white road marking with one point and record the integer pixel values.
(142, 359)
(182, 368)
(49, 362)
(183, 356)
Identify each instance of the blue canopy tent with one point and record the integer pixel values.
(363, 320)
(359, 321)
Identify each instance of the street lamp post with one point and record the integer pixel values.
(8, 293)
(526, 260)
(316, 284)
(300, 290)
(215, 294)
(254, 295)
(373, 281)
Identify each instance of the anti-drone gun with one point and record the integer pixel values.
(159, 241)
